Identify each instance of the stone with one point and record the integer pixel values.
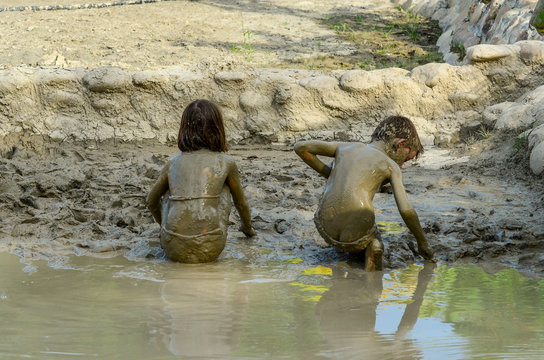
(230, 77)
(360, 80)
(107, 79)
(493, 112)
(252, 101)
(536, 160)
(536, 136)
(514, 117)
(531, 52)
(431, 74)
(319, 83)
(486, 53)
(149, 79)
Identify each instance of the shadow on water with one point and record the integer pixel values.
(115, 308)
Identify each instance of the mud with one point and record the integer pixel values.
(477, 203)
(63, 199)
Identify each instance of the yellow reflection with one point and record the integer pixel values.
(314, 290)
(319, 270)
(295, 261)
(392, 228)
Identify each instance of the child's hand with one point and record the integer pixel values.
(248, 231)
(426, 253)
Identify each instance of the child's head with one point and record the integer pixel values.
(398, 128)
(202, 128)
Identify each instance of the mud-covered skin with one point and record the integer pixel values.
(190, 200)
(346, 212)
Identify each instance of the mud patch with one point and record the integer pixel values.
(64, 199)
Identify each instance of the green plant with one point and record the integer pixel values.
(413, 31)
(247, 39)
(458, 48)
(483, 132)
(521, 142)
(359, 20)
(340, 27)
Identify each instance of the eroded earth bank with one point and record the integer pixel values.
(83, 142)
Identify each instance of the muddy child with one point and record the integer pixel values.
(345, 216)
(191, 197)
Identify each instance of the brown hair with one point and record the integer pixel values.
(398, 127)
(202, 127)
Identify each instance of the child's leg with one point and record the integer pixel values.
(373, 255)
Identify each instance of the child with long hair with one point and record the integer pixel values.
(191, 197)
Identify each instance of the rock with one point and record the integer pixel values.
(360, 81)
(531, 52)
(536, 136)
(319, 83)
(431, 74)
(281, 226)
(486, 53)
(493, 112)
(251, 101)
(107, 79)
(536, 160)
(231, 77)
(513, 117)
(149, 79)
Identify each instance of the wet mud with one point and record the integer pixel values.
(61, 199)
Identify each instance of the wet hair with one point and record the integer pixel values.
(398, 127)
(202, 127)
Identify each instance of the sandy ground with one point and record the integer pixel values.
(59, 199)
(325, 34)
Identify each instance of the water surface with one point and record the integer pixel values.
(119, 309)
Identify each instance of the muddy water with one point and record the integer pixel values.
(116, 308)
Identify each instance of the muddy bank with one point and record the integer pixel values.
(275, 105)
(89, 200)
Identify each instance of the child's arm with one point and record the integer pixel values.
(408, 213)
(239, 199)
(307, 150)
(158, 189)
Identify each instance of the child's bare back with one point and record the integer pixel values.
(191, 197)
(345, 216)
(345, 211)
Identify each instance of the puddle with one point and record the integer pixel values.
(115, 308)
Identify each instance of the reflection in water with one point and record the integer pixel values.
(204, 311)
(120, 309)
(347, 317)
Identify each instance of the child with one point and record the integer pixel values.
(345, 216)
(191, 198)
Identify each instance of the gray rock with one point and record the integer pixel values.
(485, 53)
(107, 79)
(536, 160)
